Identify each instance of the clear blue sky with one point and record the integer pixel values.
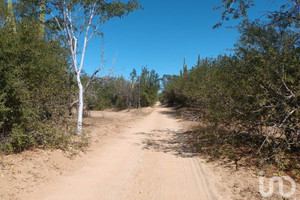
(165, 32)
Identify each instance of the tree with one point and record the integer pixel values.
(236, 9)
(11, 16)
(255, 93)
(42, 18)
(133, 75)
(85, 17)
(120, 93)
(148, 87)
(35, 89)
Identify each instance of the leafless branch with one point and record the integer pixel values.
(274, 126)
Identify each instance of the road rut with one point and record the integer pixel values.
(150, 160)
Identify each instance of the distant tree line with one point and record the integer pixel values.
(117, 92)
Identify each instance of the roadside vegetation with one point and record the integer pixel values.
(39, 85)
(120, 93)
(36, 86)
(250, 100)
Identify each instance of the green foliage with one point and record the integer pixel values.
(148, 86)
(34, 83)
(20, 140)
(3, 13)
(256, 90)
(140, 91)
(286, 15)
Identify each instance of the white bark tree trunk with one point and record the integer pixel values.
(80, 105)
(72, 26)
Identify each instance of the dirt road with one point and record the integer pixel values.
(148, 161)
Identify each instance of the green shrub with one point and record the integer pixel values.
(35, 86)
(255, 91)
(20, 140)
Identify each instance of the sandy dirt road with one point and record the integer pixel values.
(148, 161)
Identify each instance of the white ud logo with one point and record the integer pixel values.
(280, 182)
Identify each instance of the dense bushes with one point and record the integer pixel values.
(254, 91)
(140, 91)
(35, 86)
